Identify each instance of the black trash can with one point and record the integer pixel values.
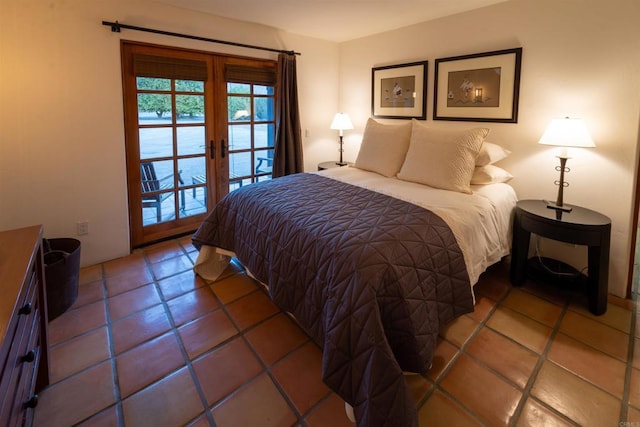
(62, 272)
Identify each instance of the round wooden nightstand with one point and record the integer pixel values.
(331, 164)
(581, 226)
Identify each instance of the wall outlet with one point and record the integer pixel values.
(82, 228)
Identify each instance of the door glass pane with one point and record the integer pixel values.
(263, 90)
(155, 142)
(239, 108)
(158, 208)
(239, 137)
(263, 109)
(158, 174)
(154, 109)
(157, 183)
(192, 170)
(153, 83)
(263, 161)
(190, 140)
(197, 203)
(194, 208)
(238, 88)
(190, 108)
(236, 183)
(264, 135)
(239, 165)
(189, 86)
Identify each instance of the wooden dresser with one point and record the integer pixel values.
(24, 363)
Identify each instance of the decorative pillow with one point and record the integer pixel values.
(489, 174)
(491, 153)
(442, 158)
(383, 147)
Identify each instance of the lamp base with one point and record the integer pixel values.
(551, 205)
(342, 163)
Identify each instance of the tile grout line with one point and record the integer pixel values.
(266, 369)
(174, 329)
(111, 359)
(240, 334)
(185, 355)
(112, 352)
(112, 356)
(542, 357)
(555, 331)
(454, 359)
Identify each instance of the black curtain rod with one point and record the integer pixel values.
(116, 27)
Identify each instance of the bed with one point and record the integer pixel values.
(369, 260)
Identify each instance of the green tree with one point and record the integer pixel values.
(151, 102)
(191, 105)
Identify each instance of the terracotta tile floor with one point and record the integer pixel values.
(148, 343)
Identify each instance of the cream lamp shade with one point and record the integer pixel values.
(564, 133)
(567, 132)
(341, 122)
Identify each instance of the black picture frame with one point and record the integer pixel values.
(481, 87)
(399, 91)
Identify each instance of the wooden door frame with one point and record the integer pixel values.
(137, 235)
(216, 108)
(634, 230)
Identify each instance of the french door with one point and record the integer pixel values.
(197, 126)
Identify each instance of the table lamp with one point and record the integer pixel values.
(564, 133)
(341, 122)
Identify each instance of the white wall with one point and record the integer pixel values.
(581, 58)
(61, 123)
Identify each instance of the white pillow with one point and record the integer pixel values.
(491, 153)
(442, 158)
(383, 147)
(489, 174)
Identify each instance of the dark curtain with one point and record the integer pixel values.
(287, 156)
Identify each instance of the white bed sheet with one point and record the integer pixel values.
(481, 221)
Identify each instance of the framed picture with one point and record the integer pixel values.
(399, 91)
(483, 87)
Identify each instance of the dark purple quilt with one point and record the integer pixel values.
(372, 279)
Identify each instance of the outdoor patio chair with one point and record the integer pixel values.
(151, 184)
(268, 160)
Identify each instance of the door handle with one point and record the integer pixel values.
(223, 148)
(212, 149)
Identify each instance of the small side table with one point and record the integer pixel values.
(581, 226)
(331, 164)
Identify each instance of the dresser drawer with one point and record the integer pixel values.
(25, 321)
(24, 362)
(25, 399)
